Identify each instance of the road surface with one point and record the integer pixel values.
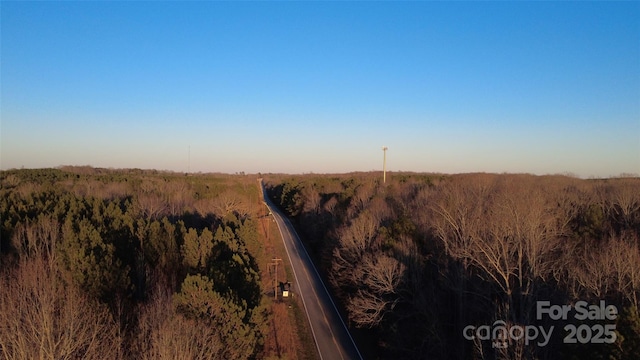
(329, 330)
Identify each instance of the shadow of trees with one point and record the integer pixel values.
(416, 260)
(140, 242)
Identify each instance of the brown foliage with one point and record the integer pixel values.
(164, 334)
(43, 318)
(37, 237)
(379, 278)
(468, 249)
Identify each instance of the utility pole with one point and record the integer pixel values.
(275, 280)
(384, 164)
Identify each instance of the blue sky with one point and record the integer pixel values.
(537, 87)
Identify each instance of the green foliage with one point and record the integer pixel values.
(627, 346)
(628, 329)
(248, 232)
(399, 227)
(589, 222)
(92, 262)
(290, 197)
(160, 245)
(348, 190)
(118, 234)
(198, 299)
(196, 249)
(232, 267)
(38, 175)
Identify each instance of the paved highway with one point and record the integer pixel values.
(329, 330)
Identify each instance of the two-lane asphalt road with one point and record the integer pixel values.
(329, 330)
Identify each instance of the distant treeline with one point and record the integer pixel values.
(423, 260)
(101, 264)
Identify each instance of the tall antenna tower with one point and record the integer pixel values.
(189, 160)
(384, 164)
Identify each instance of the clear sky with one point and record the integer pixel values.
(537, 87)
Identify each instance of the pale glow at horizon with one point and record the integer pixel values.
(535, 87)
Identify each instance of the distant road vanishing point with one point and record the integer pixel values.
(330, 333)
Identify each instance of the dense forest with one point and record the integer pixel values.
(423, 264)
(129, 264)
(133, 264)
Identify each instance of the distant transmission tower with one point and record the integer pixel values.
(189, 160)
(384, 164)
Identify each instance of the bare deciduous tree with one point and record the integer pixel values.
(37, 237)
(311, 200)
(330, 206)
(381, 274)
(379, 277)
(42, 318)
(614, 266)
(165, 334)
(363, 195)
(230, 202)
(354, 241)
(151, 205)
(625, 201)
(366, 309)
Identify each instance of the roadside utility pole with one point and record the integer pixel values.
(275, 280)
(384, 164)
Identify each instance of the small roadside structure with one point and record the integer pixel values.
(285, 287)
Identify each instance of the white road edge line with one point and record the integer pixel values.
(325, 289)
(304, 304)
(314, 269)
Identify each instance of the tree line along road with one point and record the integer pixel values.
(330, 333)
